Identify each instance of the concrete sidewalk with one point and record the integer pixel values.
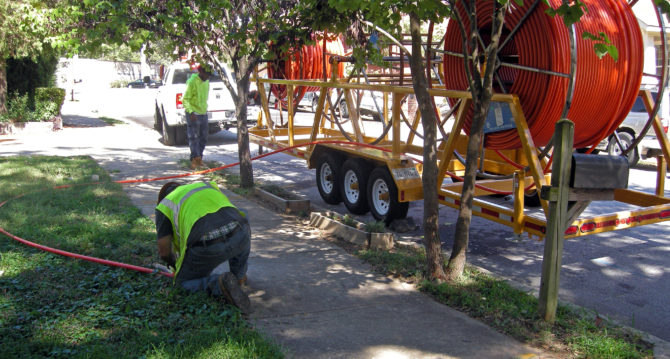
(308, 294)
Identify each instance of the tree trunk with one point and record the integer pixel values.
(244, 154)
(482, 89)
(3, 86)
(434, 258)
(457, 259)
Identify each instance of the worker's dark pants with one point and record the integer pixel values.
(197, 132)
(199, 262)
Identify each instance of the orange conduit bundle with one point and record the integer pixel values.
(306, 64)
(605, 90)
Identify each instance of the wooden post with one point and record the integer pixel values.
(558, 208)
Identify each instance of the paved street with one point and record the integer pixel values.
(623, 274)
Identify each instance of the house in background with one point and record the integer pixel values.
(653, 54)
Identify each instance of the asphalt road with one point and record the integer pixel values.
(624, 274)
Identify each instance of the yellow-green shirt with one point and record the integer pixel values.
(196, 95)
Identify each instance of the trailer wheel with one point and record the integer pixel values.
(327, 178)
(354, 183)
(383, 197)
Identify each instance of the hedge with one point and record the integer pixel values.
(48, 104)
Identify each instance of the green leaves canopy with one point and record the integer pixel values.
(22, 28)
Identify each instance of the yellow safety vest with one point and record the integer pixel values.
(186, 205)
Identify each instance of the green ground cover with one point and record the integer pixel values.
(575, 334)
(54, 306)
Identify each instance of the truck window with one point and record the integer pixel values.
(639, 104)
(181, 75)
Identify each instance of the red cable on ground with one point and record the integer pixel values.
(87, 258)
(605, 90)
(139, 268)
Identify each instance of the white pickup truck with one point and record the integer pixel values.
(170, 116)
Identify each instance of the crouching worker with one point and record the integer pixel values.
(198, 229)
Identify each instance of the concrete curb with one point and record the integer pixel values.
(31, 127)
(355, 235)
(289, 206)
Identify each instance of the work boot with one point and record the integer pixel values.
(194, 163)
(242, 281)
(200, 164)
(231, 291)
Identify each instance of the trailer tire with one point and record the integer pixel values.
(328, 177)
(382, 196)
(354, 184)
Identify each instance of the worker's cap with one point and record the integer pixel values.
(205, 68)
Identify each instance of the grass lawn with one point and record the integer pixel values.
(513, 312)
(54, 306)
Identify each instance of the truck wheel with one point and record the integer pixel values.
(315, 103)
(158, 120)
(169, 134)
(626, 140)
(327, 178)
(531, 198)
(354, 183)
(383, 197)
(181, 136)
(344, 110)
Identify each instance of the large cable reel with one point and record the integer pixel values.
(535, 64)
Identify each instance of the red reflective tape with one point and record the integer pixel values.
(537, 227)
(664, 214)
(402, 195)
(606, 223)
(490, 212)
(649, 216)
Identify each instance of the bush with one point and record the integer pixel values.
(375, 227)
(48, 103)
(26, 74)
(118, 84)
(18, 109)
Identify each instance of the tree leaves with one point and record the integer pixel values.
(570, 12)
(602, 46)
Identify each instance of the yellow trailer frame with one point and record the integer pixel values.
(399, 156)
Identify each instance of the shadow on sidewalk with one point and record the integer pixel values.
(83, 121)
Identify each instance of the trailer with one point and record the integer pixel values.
(378, 168)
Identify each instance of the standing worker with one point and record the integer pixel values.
(198, 229)
(195, 103)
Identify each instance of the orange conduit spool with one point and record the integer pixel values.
(306, 64)
(605, 90)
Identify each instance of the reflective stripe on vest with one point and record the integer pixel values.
(176, 207)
